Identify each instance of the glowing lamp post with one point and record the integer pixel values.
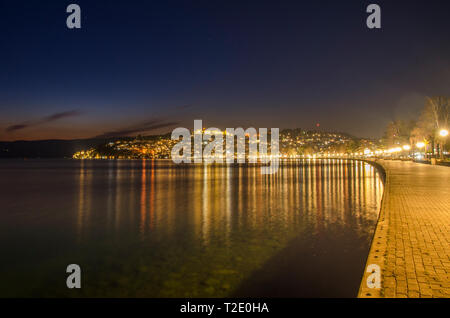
(406, 148)
(420, 145)
(443, 133)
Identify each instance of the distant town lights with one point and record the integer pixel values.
(392, 150)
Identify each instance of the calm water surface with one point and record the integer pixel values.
(155, 229)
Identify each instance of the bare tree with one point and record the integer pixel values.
(435, 116)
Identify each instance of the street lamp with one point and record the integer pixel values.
(444, 134)
(406, 147)
(419, 146)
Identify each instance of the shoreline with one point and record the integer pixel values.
(378, 244)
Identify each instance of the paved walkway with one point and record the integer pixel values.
(412, 239)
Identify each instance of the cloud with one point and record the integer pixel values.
(139, 128)
(16, 127)
(149, 125)
(46, 119)
(58, 116)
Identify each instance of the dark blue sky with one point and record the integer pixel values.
(155, 65)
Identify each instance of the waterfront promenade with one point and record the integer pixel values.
(412, 239)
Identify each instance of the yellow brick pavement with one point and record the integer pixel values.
(412, 239)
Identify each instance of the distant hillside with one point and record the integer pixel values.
(292, 142)
(47, 148)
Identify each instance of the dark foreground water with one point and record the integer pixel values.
(155, 229)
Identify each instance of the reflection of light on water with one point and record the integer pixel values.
(228, 206)
(143, 212)
(240, 194)
(131, 192)
(148, 229)
(205, 207)
(152, 196)
(84, 198)
(118, 194)
(358, 184)
(168, 207)
(147, 198)
(81, 206)
(110, 207)
(228, 200)
(318, 198)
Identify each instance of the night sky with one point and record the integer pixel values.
(150, 66)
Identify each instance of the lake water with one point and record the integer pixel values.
(156, 229)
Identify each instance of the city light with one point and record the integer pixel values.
(392, 150)
(420, 145)
(406, 147)
(443, 133)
